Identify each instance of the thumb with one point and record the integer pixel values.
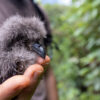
(33, 73)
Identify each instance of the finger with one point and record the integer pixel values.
(34, 73)
(43, 61)
(12, 87)
(32, 69)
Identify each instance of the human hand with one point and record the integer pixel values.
(23, 86)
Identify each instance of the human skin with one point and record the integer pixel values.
(51, 85)
(23, 86)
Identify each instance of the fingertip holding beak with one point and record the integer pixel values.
(43, 61)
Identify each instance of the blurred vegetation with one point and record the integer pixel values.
(76, 29)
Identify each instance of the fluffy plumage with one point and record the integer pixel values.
(17, 35)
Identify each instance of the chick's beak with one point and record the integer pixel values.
(39, 50)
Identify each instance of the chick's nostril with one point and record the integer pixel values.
(41, 49)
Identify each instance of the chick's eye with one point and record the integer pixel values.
(37, 40)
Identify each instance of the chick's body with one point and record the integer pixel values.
(17, 36)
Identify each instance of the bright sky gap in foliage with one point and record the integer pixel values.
(65, 2)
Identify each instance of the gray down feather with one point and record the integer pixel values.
(17, 35)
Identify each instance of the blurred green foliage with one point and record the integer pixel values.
(76, 29)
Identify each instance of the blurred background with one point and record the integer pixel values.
(76, 63)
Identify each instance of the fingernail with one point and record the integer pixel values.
(47, 64)
(37, 75)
